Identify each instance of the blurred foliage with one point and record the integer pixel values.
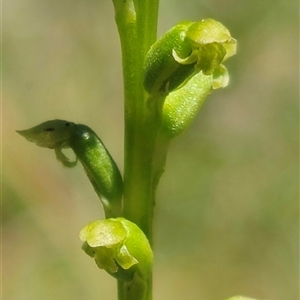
(227, 206)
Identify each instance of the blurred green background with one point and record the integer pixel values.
(226, 219)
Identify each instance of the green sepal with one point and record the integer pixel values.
(53, 134)
(161, 71)
(50, 134)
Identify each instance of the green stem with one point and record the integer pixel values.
(120, 290)
(137, 26)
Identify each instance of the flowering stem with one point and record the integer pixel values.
(137, 25)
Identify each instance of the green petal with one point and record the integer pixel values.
(125, 259)
(220, 77)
